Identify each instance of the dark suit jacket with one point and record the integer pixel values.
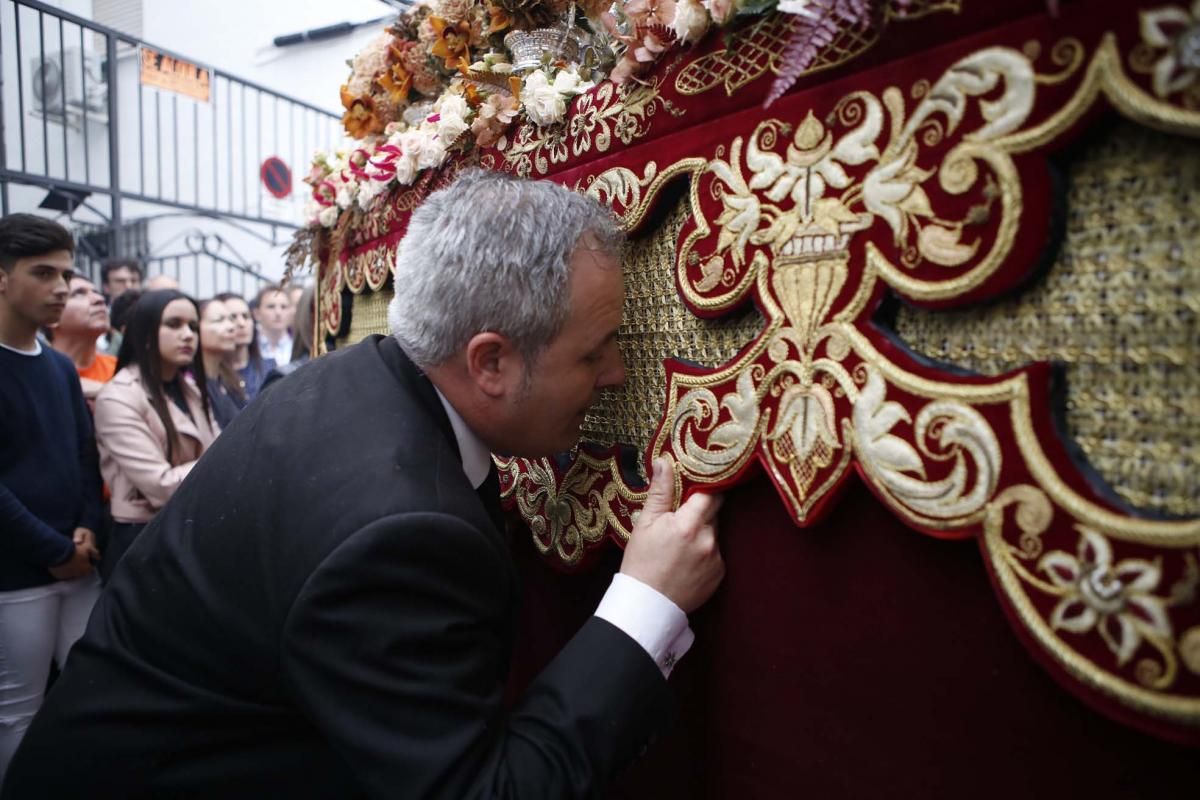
(325, 610)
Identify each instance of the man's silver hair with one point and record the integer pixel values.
(491, 252)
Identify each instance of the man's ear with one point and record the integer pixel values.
(493, 364)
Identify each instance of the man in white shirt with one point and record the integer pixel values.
(273, 312)
(326, 607)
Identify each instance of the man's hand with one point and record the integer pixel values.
(78, 565)
(675, 552)
(85, 537)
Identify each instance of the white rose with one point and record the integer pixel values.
(452, 118)
(453, 105)
(312, 210)
(543, 103)
(450, 127)
(368, 192)
(406, 169)
(565, 82)
(346, 193)
(691, 21)
(433, 153)
(328, 216)
(407, 163)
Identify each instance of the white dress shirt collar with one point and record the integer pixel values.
(476, 458)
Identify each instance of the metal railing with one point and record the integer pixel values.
(86, 123)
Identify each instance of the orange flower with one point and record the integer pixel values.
(453, 41)
(472, 95)
(360, 119)
(500, 19)
(396, 80)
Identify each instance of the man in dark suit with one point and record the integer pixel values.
(325, 608)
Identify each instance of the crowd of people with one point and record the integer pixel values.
(109, 397)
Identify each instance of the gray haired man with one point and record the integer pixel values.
(326, 607)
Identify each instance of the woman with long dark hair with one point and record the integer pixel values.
(154, 418)
(248, 360)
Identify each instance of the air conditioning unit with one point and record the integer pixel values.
(64, 84)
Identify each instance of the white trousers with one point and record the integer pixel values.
(36, 625)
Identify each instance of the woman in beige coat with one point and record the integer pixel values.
(153, 419)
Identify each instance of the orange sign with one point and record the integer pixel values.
(176, 75)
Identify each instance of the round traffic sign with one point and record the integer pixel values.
(277, 177)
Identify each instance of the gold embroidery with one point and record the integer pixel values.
(752, 53)
(624, 112)
(1189, 649)
(757, 49)
(1096, 592)
(944, 430)
(1170, 52)
(656, 326)
(367, 316)
(567, 515)
(1117, 309)
(628, 195)
(815, 165)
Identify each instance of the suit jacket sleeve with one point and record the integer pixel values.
(396, 648)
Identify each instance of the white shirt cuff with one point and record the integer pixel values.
(649, 618)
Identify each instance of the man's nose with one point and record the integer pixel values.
(613, 374)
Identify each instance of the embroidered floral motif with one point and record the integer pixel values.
(1176, 32)
(1115, 599)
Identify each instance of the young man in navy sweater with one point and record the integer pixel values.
(50, 503)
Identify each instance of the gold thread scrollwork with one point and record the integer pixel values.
(1067, 53)
(630, 196)
(944, 430)
(624, 112)
(571, 513)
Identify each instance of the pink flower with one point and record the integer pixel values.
(650, 48)
(644, 13)
(492, 118)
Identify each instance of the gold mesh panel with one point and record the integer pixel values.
(656, 325)
(1119, 308)
(369, 316)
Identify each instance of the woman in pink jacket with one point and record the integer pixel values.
(153, 419)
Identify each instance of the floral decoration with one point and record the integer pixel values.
(1174, 34)
(1114, 599)
(440, 78)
